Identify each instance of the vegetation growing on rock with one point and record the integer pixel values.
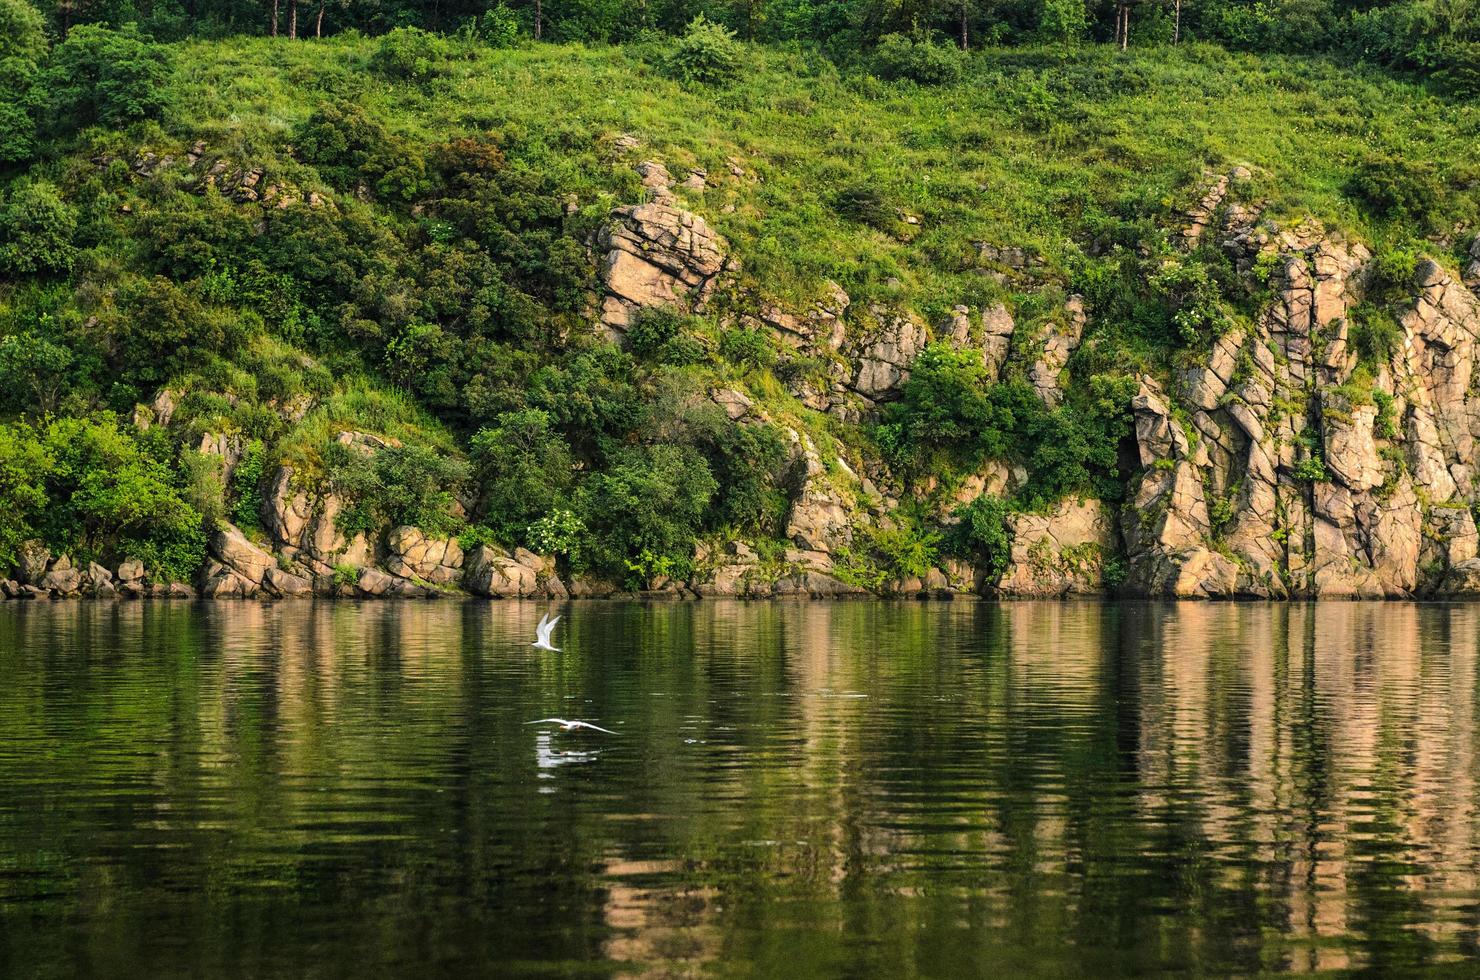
(888, 320)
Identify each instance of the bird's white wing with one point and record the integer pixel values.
(540, 629)
(548, 721)
(546, 628)
(587, 724)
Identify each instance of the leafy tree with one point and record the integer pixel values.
(525, 469)
(33, 371)
(918, 58)
(707, 53)
(1064, 21)
(37, 230)
(24, 466)
(982, 534)
(22, 32)
(110, 498)
(643, 512)
(100, 75)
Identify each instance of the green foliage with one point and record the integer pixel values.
(346, 576)
(917, 58)
(665, 335)
(559, 532)
(410, 54)
(99, 75)
(349, 148)
(1375, 335)
(22, 31)
(246, 485)
(396, 486)
(707, 53)
(983, 534)
(1311, 469)
(747, 348)
(498, 27)
(33, 372)
(643, 512)
(1063, 21)
(525, 469)
(1399, 190)
(950, 420)
(112, 497)
(37, 230)
(25, 466)
(203, 485)
(1385, 426)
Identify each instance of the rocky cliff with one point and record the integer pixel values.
(1275, 460)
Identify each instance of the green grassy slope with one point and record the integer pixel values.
(440, 290)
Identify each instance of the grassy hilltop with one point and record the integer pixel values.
(415, 259)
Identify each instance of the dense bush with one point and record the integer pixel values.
(412, 485)
(37, 230)
(525, 470)
(643, 512)
(1397, 190)
(98, 75)
(113, 497)
(707, 53)
(25, 466)
(917, 58)
(410, 53)
(982, 534)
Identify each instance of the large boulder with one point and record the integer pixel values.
(231, 548)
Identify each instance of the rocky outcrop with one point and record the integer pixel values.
(653, 255)
(883, 351)
(496, 574)
(1277, 469)
(1059, 341)
(821, 516)
(1059, 553)
(413, 555)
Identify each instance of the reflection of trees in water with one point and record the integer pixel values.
(810, 787)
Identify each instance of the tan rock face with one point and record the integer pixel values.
(820, 518)
(1059, 342)
(414, 555)
(232, 549)
(1274, 479)
(882, 355)
(656, 254)
(1059, 553)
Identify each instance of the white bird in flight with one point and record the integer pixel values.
(542, 633)
(570, 726)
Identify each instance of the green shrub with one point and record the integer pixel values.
(498, 27)
(557, 533)
(1063, 21)
(33, 372)
(983, 534)
(25, 465)
(22, 32)
(412, 485)
(917, 58)
(37, 230)
(1401, 190)
(525, 470)
(747, 348)
(410, 54)
(643, 512)
(706, 53)
(111, 498)
(246, 485)
(100, 75)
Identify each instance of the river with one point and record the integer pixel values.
(794, 789)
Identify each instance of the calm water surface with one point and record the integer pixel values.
(797, 790)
